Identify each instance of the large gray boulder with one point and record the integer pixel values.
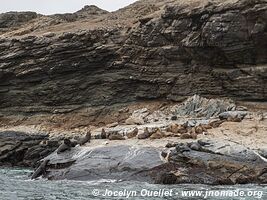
(113, 162)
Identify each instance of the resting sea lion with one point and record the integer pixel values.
(177, 128)
(133, 133)
(146, 134)
(86, 139)
(186, 136)
(74, 143)
(66, 145)
(40, 170)
(115, 136)
(157, 135)
(103, 134)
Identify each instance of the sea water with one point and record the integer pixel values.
(15, 184)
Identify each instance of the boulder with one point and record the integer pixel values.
(120, 162)
(197, 106)
(137, 117)
(235, 116)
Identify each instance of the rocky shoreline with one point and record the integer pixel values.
(175, 144)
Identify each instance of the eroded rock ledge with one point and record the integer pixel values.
(200, 162)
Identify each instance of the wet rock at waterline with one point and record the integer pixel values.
(200, 162)
(114, 162)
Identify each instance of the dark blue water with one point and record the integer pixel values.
(16, 185)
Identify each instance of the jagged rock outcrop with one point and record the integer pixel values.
(24, 150)
(211, 48)
(15, 19)
(216, 162)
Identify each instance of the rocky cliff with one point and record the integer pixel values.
(148, 50)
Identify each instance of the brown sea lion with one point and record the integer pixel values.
(216, 123)
(193, 136)
(177, 128)
(133, 133)
(199, 129)
(40, 170)
(157, 135)
(86, 139)
(146, 134)
(115, 136)
(103, 134)
(66, 145)
(186, 136)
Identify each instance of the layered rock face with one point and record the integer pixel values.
(176, 50)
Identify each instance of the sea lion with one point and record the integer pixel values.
(86, 139)
(216, 123)
(73, 143)
(203, 142)
(164, 154)
(175, 128)
(103, 134)
(146, 134)
(234, 116)
(206, 126)
(195, 146)
(193, 136)
(133, 133)
(198, 129)
(171, 144)
(186, 136)
(157, 135)
(182, 129)
(115, 135)
(40, 170)
(66, 145)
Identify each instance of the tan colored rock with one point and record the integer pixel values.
(112, 125)
(137, 117)
(134, 121)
